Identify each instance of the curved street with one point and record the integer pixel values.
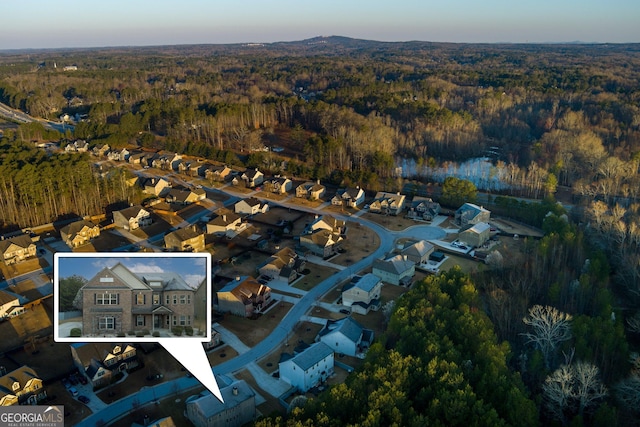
(271, 342)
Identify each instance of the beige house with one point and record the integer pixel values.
(418, 252)
(238, 409)
(225, 220)
(351, 197)
(475, 235)
(311, 190)
(8, 304)
(218, 173)
(154, 186)
(250, 206)
(423, 208)
(98, 362)
(185, 240)
(252, 177)
(79, 233)
(278, 185)
(16, 249)
(21, 387)
(323, 243)
(184, 197)
(117, 301)
(243, 297)
(388, 203)
(132, 218)
(285, 264)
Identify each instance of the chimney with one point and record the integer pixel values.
(237, 278)
(235, 391)
(224, 217)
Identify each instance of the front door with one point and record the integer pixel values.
(157, 321)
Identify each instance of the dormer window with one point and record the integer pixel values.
(15, 386)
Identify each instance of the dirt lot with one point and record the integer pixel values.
(251, 332)
(359, 243)
(105, 242)
(317, 274)
(51, 360)
(36, 321)
(26, 266)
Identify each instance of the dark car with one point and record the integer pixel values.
(84, 399)
(344, 311)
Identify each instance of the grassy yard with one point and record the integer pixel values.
(317, 274)
(26, 266)
(251, 332)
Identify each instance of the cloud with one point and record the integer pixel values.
(193, 280)
(101, 263)
(145, 268)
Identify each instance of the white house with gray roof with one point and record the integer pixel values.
(395, 270)
(346, 336)
(238, 409)
(418, 252)
(471, 214)
(362, 293)
(307, 369)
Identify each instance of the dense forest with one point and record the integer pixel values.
(550, 336)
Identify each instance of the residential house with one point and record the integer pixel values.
(309, 368)
(418, 252)
(161, 422)
(8, 303)
(79, 233)
(250, 206)
(362, 293)
(100, 150)
(278, 185)
(311, 190)
(218, 173)
(323, 243)
(21, 386)
(137, 157)
(99, 362)
(216, 340)
(78, 146)
(346, 336)
(238, 408)
(423, 208)
(350, 197)
(252, 177)
(187, 239)
(475, 235)
(470, 213)
(117, 301)
(395, 270)
(132, 218)
(166, 161)
(388, 203)
(183, 196)
(243, 297)
(325, 222)
(223, 222)
(17, 248)
(122, 155)
(285, 264)
(154, 185)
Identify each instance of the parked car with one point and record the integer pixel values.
(84, 399)
(66, 384)
(73, 391)
(344, 311)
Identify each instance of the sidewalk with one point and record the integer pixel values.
(231, 339)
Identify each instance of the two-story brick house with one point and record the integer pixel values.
(117, 300)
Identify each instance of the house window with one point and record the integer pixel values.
(107, 299)
(107, 323)
(140, 320)
(175, 320)
(167, 299)
(185, 299)
(183, 320)
(175, 299)
(140, 299)
(156, 299)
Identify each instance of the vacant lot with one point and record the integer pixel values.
(26, 266)
(35, 321)
(251, 332)
(359, 243)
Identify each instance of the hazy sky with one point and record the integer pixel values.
(88, 23)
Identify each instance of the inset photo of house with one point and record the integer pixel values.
(140, 297)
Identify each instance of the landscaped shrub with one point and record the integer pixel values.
(177, 330)
(75, 332)
(120, 334)
(189, 330)
(131, 333)
(145, 332)
(156, 334)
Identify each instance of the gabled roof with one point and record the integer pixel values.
(478, 228)
(224, 217)
(312, 355)
(233, 394)
(419, 248)
(184, 234)
(352, 192)
(22, 375)
(6, 298)
(76, 227)
(346, 326)
(170, 281)
(395, 264)
(251, 201)
(252, 173)
(245, 287)
(132, 211)
(22, 241)
(367, 282)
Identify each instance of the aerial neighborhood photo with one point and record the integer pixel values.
(216, 217)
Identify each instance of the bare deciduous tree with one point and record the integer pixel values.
(550, 328)
(572, 389)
